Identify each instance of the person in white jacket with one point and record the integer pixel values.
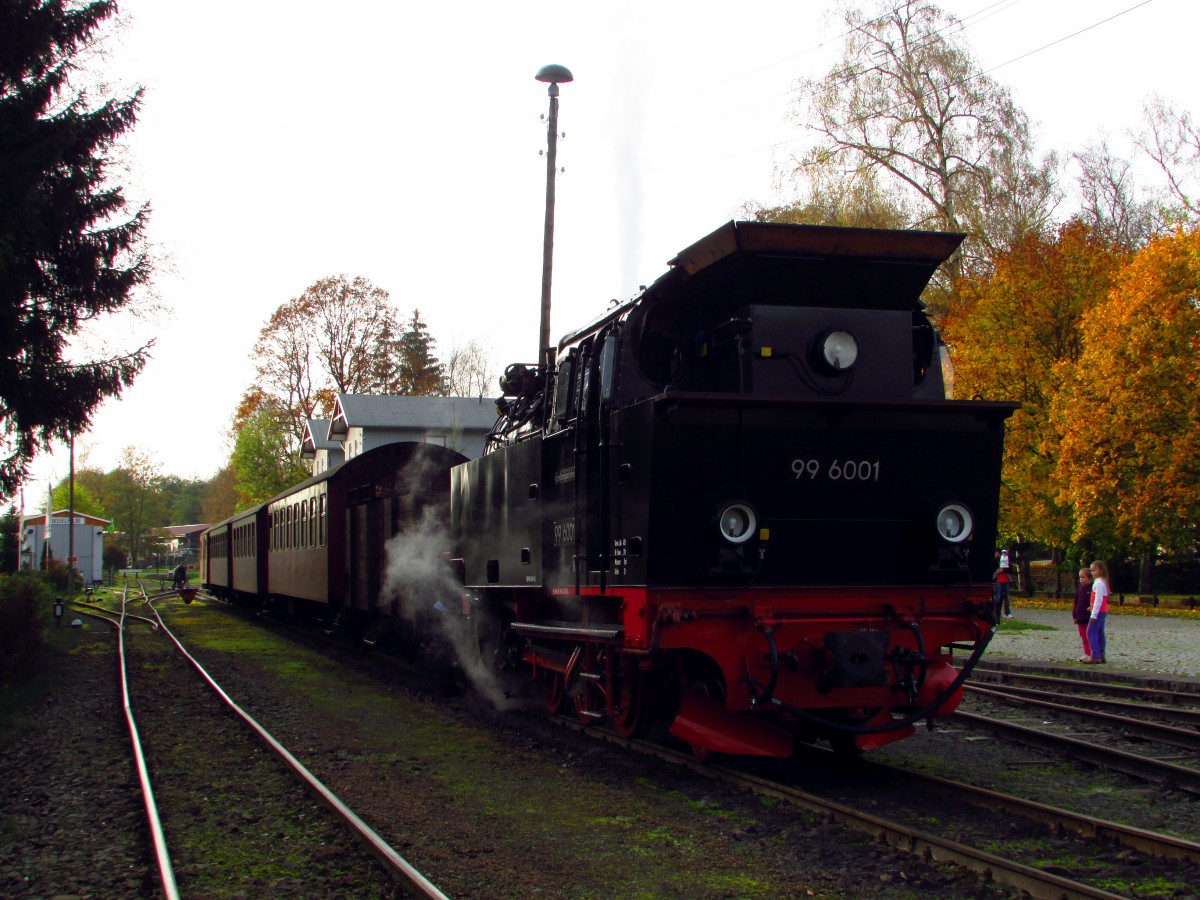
(1099, 611)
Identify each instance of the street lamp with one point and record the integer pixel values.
(554, 75)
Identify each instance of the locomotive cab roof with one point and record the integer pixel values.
(764, 263)
(865, 267)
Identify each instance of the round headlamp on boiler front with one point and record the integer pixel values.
(955, 523)
(737, 523)
(837, 350)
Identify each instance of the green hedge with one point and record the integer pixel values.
(25, 607)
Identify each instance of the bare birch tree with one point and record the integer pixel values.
(907, 106)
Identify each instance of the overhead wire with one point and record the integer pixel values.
(959, 25)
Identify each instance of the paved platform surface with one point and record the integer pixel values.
(1135, 643)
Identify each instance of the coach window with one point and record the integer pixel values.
(321, 535)
(303, 542)
(312, 521)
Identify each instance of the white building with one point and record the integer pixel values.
(87, 546)
(362, 422)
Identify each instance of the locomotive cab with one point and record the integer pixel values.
(745, 489)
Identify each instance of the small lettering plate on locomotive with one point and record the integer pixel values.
(564, 532)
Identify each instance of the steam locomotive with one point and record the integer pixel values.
(738, 507)
(742, 503)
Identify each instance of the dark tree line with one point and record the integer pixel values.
(70, 246)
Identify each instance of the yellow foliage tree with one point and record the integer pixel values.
(1129, 465)
(1010, 334)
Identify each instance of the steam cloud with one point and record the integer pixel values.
(418, 575)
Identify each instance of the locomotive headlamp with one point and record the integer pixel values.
(838, 350)
(955, 523)
(737, 523)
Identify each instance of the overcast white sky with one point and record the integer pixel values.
(281, 142)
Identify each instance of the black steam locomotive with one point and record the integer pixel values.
(741, 502)
(739, 505)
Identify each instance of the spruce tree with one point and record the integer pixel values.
(420, 371)
(70, 249)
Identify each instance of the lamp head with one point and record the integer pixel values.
(554, 74)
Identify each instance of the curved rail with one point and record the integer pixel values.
(104, 609)
(397, 865)
(115, 623)
(162, 857)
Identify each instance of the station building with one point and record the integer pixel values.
(362, 422)
(87, 546)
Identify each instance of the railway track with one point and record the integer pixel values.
(859, 807)
(1140, 735)
(992, 853)
(895, 805)
(192, 745)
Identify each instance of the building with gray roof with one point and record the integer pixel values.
(362, 422)
(324, 452)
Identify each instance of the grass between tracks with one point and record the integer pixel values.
(474, 800)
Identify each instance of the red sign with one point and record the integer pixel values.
(191, 568)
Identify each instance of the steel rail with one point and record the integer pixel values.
(1109, 687)
(1166, 846)
(75, 604)
(403, 871)
(162, 857)
(1036, 882)
(115, 623)
(1176, 714)
(1118, 760)
(1183, 738)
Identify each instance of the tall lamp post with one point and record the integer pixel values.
(553, 75)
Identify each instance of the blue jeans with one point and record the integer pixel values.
(1001, 598)
(1096, 636)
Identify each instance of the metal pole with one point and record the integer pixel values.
(554, 75)
(71, 520)
(548, 239)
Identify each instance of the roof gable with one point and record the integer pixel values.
(413, 413)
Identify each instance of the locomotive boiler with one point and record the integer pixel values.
(740, 503)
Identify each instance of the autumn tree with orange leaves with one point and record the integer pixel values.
(1129, 466)
(1011, 335)
(339, 336)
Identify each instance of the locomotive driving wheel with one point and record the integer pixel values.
(630, 716)
(556, 691)
(713, 688)
(588, 685)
